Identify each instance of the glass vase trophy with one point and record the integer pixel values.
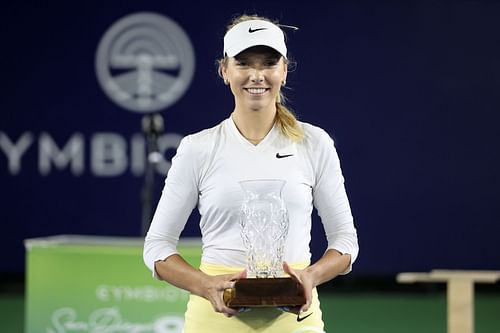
(264, 228)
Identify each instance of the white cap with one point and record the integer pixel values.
(253, 33)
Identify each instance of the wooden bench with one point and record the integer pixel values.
(460, 293)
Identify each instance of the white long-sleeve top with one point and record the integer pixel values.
(206, 171)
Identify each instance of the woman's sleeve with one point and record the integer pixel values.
(330, 199)
(177, 201)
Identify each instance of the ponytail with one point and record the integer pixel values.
(287, 122)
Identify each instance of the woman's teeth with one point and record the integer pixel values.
(256, 90)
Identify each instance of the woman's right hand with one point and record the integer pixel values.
(213, 290)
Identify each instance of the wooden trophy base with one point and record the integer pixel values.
(264, 292)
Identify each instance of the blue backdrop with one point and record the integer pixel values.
(409, 91)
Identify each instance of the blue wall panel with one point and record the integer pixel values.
(409, 92)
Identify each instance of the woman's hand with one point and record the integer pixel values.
(328, 267)
(305, 279)
(214, 287)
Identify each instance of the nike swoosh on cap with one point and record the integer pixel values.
(250, 30)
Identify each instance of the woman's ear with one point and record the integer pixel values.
(223, 73)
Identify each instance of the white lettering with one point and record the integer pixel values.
(106, 293)
(108, 154)
(166, 142)
(110, 320)
(72, 153)
(138, 152)
(14, 152)
(102, 293)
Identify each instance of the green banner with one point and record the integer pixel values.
(100, 284)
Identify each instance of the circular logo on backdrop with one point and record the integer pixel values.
(145, 62)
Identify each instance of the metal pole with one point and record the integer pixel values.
(152, 128)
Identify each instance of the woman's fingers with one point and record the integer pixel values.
(290, 271)
(229, 280)
(215, 297)
(218, 285)
(308, 296)
(239, 275)
(219, 306)
(301, 277)
(306, 306)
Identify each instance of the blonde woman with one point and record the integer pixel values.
(261, 139)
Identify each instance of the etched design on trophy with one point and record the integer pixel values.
(264, 227)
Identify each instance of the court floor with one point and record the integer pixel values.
(348, 312)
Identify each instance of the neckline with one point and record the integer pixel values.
(263, 143)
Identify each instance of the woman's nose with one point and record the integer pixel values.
(256, 75)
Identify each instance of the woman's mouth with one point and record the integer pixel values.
(256, 91)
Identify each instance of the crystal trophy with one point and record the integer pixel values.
(264, 227)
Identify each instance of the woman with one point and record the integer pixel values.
(260, 140)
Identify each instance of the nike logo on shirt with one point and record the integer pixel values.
(283, 156)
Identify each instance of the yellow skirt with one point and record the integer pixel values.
(200, 316)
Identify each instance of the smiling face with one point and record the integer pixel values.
(255, 77)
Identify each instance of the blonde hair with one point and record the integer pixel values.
(285, 119)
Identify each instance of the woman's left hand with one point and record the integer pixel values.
(305, 279)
